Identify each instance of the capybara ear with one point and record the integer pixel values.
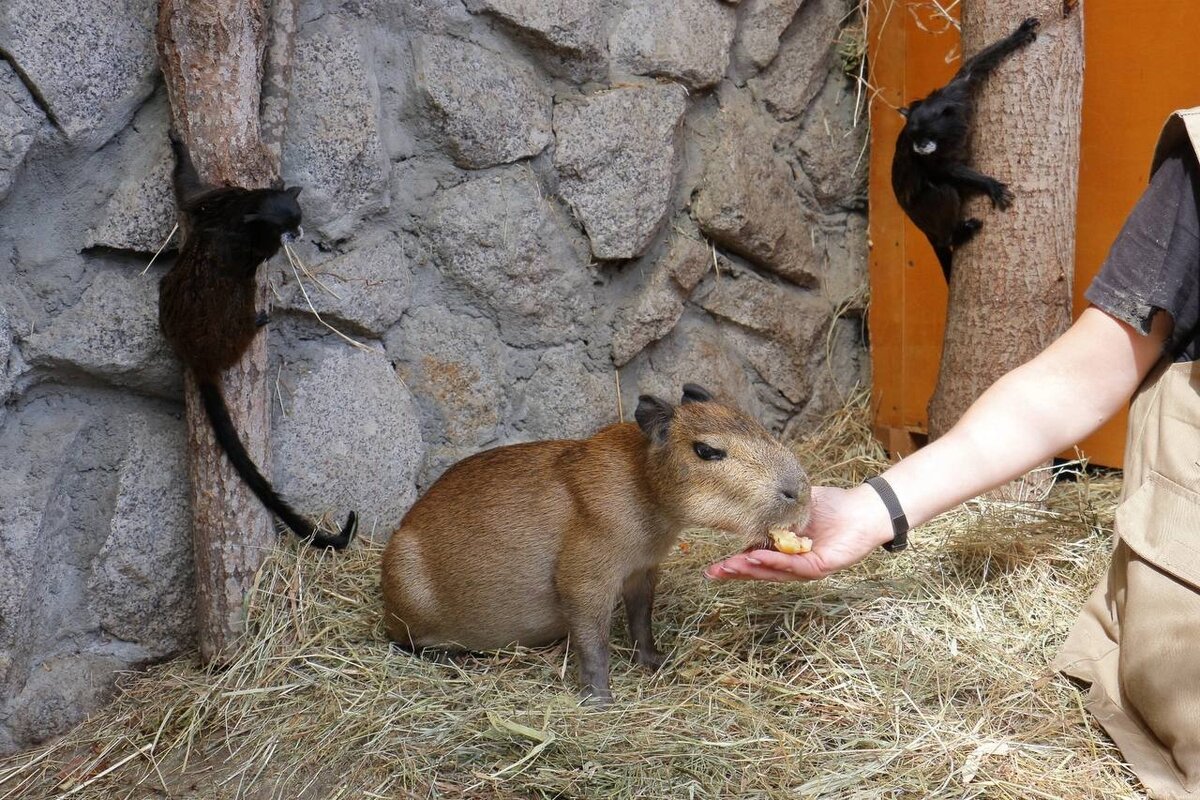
(695, 393)
(654, 417)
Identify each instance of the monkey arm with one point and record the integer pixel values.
(970, 181)
(980, 65)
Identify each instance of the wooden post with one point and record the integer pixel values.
(212, 56)
(1011, 291)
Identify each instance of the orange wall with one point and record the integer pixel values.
(1139, 66)
(911, 52)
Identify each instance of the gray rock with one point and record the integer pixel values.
(422, 16)
(776, 327)
(831, 148)
(141, 212)
(34, 443)
(564, 399)
(509, 249)
(142, 581)
(846, 277)
(350, 439)
(371, 285)
(616, 162)
(333, 146)
(842, 370)
(569, 33)
(695, 351)
(653, 310)
(795, 76)
(455, 365)
(762, 23)
(112, 334)
(20, 120)
(650, 315)
(747, 199)
(95, 553)
(687, 40)
(688, 258)
(93, 61)
(6, 378)
(61, 692)
(490, 111)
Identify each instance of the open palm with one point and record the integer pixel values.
(845, 526)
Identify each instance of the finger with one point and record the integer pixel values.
(769, 562)
(751, 572)
(808, 566)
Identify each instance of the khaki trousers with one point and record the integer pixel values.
(1137, 641)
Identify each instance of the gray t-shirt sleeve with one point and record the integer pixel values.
(1155, 262)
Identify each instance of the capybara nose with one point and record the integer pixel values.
(789, 493)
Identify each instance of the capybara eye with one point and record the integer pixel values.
(707, 452)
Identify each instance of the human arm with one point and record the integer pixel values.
(1052, 401)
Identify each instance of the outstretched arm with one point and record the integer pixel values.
(1042, 407)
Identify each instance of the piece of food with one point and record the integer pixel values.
(785, 541)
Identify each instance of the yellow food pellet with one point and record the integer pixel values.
(785, 541)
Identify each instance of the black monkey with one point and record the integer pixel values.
(206, 305)
(930, 175)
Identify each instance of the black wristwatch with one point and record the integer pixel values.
(899, 521)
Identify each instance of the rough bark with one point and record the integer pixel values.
(211, 52)
(1010, 293)
(277, 77)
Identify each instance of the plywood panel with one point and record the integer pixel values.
(912, 52)
(1140, 66)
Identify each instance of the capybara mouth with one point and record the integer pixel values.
(780, 536)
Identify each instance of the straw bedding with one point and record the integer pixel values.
(914, 676)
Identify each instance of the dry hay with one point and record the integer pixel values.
(916, 676)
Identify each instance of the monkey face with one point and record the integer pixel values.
(937, 124)
(278, 213)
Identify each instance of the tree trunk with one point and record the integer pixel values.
(211, 53)
(1011, 290)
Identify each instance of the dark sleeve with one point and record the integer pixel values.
(1155, 262)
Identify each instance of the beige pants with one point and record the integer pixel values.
(1137, 641)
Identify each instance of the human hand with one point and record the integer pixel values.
(845, 525)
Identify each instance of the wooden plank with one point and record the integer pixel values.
(911, 51)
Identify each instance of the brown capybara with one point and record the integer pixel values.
(528, 543)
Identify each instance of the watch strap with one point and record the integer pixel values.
(895, 511)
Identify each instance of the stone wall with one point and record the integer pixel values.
(517, 205)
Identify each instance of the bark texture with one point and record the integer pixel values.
(1011, 290)
(211, 52)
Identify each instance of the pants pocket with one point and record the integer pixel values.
(1159, 617)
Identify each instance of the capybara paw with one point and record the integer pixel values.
(650, 658)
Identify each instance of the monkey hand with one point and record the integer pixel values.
(1002, 196)
(1028, 29)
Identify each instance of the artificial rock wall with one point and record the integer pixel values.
(516, 204)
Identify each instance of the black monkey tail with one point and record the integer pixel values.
(945, 256)
(227, 436)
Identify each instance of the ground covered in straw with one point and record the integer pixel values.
(918, 676)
